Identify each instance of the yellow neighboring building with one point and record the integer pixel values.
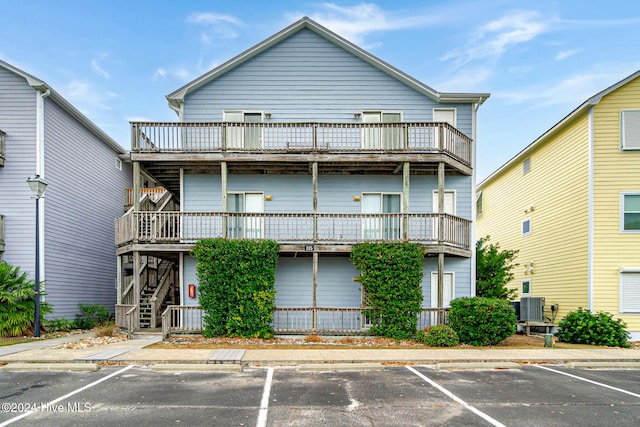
(570, 203)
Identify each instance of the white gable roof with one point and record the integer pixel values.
(176, 98)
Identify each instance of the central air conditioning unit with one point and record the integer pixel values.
(532, 309)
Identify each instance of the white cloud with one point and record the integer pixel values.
(356, 22)
(217, 26)
(466, 80)
(492, 40)
(95, 66)
(572, 90)
(565, 54)
(177, 73)
(86, 96)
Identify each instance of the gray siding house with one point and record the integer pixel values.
(311, 141)
(43, 134)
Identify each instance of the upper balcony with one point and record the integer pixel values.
(169, 231)
(337, 147)
(2, 135)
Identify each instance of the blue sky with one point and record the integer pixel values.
(116, 60)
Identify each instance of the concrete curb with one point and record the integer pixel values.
(477, 365)
(609, 364)
(324, 367)
(196, 367)
(50, 367)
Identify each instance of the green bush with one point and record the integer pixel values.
(482, 321)
(59, 325)
(91, 315)
(237, 286)
(391, 279)
(583, 327)
(17, 305)
(438, 336)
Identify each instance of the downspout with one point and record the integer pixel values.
(40, 97)
(472, 232)
(590, 208)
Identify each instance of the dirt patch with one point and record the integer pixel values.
(517, 341)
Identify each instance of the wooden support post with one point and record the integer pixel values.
(406, 169)
(314, 184)
(136, 288)
(119, 279)
(314, 301)
(440, 287)
(137, 183)
(223, 179)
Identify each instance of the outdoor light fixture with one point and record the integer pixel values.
(356, 198)
(37, 185)
(356, 115)
(267, 115)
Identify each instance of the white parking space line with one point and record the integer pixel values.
(479, 413)
(264, 403)
(588, 380)
(66, 396)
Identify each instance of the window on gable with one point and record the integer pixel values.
(630, 129)
(526, 227)
(479, 202)
(118, 164)
(630, 291)
(630, 212)
(526, 165)
(526, 288)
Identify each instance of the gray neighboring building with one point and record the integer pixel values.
(41, 133)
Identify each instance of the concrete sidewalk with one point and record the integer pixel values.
(135, 351)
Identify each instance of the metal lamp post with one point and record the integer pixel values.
(38, 185)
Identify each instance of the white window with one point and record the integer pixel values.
(630, 290)
(445, 115)
(449, 202)
(525, 289)
(448, 289)
(630, 129)
(526, 166)
(479, 203)
(118, 164)
(245, 226)
(384, 225)
(526, 227)
(380, 132)
(630, 212)
(247, 136)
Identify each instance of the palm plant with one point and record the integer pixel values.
(16, 302)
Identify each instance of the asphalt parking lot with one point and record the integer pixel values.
(397, 395)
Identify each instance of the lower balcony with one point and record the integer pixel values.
(163, 228)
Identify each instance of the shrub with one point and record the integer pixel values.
(438, 336)
(313, 338)
(391, 280)
(59, 325)
(91, 315)
(237, 286)
(583, 327)
(17, 305)
(482, 321)
(106, 329)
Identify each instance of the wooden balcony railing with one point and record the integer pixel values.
(301, 137)
(2, 136)
(326, 320)
(291, 228)
(154, 194)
